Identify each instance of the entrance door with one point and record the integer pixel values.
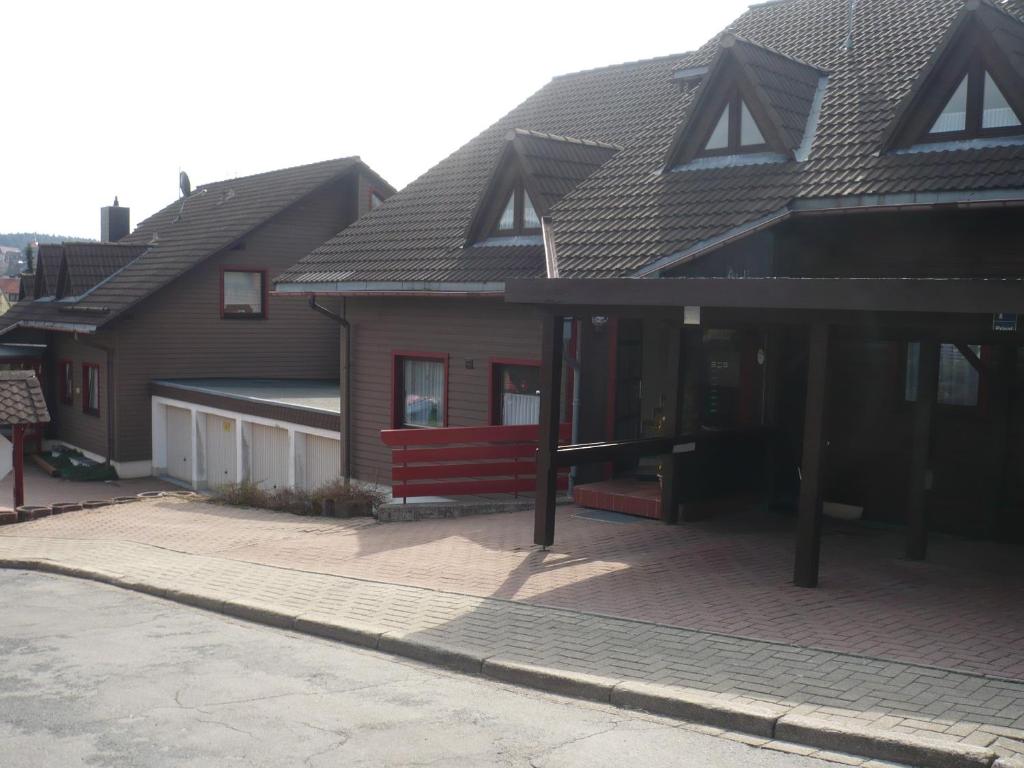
(179, 444)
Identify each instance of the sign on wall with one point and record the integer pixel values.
(1004, 321)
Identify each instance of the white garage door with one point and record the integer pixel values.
(322, 461)
(221, 451)
(179, 444)
(269, 452)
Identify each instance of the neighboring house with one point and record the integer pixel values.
(10, 287)
(12, 260)
(870, 158)
(184, 300)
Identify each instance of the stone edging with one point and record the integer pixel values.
(767, 721)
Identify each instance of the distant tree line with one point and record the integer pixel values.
(20, 239)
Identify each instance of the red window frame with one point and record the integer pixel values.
(398, 387)
(264, 295)
(86, 367)
(66, 388)
(494, 406)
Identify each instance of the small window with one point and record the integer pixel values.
(736, 131)
(67, 382)
(517, 393)
(243, 294)
(420, 392)
(959, 380)
(977, 108)
(376, 201)
(91, 389)
(518, 215)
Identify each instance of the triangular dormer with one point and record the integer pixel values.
(973, 87)
(534, 171)
(752, 102)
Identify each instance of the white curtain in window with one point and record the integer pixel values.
(954, 116)
(243, 292)
(520, 409)
(530, 218)
(997, 112)
(958, 379)
(423, 389)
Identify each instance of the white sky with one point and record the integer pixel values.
(113, 98)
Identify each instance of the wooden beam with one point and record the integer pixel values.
(1002, 377)
(552, 343)
(808, 538)
(924, 408)
(946, 295)
(671, 480)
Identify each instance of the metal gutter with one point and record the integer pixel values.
(398, 288)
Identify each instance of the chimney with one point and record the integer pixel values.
(114, 222)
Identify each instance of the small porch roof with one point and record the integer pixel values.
(821, 294)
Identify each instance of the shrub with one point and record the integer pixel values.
(296, 502)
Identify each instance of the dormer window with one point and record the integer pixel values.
(518, 215)
(978, 108)
(735, 132)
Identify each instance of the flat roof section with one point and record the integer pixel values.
(310, 395)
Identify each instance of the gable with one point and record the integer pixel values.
(533, 173)
(973, 86)
(752, 100)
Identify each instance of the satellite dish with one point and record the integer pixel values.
(185, 184)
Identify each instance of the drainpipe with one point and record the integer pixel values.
(346, 377)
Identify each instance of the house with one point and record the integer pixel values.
(714, 265)
(10, 287)
(156, 337)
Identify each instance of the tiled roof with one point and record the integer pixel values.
(21, 399)
(85, 265)
(555, 165)
(48, 260)
(629, 215)
(175, 239)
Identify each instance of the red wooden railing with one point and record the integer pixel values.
(466, 461)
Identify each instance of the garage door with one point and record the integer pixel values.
(221, 451)
(179, 444)
(269, 451)
(322, 461)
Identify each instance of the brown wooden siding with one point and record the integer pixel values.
(70, 423)
(179, 332)
(470, 331)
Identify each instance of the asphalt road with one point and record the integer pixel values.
(92, 675)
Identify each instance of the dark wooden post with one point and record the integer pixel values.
(1003, 376)
(18, 433)
(927, 392)
(808, 535)
(550, 416)
(671, 494)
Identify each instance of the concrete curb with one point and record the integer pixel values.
(696, 706)
(578, 685)
(882, 744)
(764, 720)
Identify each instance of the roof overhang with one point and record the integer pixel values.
(384, 288)
(42, 325)
(990, 198)
(925, 295)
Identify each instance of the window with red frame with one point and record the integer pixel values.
(421, 385)
(243, 294)
(516, 391)
(67, 382)
(91, 389)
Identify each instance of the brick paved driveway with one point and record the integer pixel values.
(961, 610)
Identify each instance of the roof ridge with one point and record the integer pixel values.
(624, 65)
(727, 37)
(567, 139)
(207, 185)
